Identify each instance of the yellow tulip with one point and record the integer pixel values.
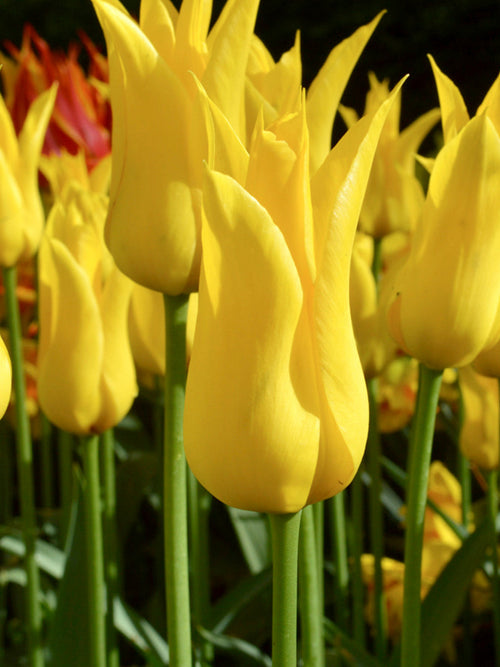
(5, 378)
(394, 196)
(276, 410)
(86, 381)
(479, 440)
(153, 225)
(444, 309)
(21, 212)
(375, 345)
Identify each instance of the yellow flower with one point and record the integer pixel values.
(394, 196)
(276, 407)
(444, 309)
(21, 212)
(5, 378)
(479, 431)
(153, 225)
(375, 345)
(86, 381)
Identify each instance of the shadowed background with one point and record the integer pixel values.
(463, 37)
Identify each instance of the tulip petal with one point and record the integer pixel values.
(71, 343)
(324, 94)
(343, 399)
(12, 215)
(242, 412)
(491, 104)
(157, 24)
(453, 110)
(118, 386)
(146, 187)
(147, 330)
(446, 309)
(229, 44)
(5, 378)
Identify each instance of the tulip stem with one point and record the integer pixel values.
(285, 530)
(376, 519)
(94, 550)
(416, 493)
(25, 473)
(495, 579)
(175, 495)
(199, 513)
(339, 550)
(465, 483)
(357, 550)
(310, 597)
(110, 543)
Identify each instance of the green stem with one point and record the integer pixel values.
(465, 483)
(175, 496)
(319, 530)
(311, 610)
(373, 452)
(199, 513)
(47, 473)
(495, 579)
(94, 550)
(65, 470)
(357, 550)
(285, 539)
(110, 543)
(418, 475)
(24, 471)
(339, 549)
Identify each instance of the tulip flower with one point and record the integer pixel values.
(276, 407)
(86, 381)
(81, 118)
(5, 378)
(394, 195)
(375, 345)
(444, 309)
(153, 226)
(21, 209)
(479, 431)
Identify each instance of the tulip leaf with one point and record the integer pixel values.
(50, 559)
(252, 530)
(352, 652)
(243, 651)
(228, 607)
(445, 600)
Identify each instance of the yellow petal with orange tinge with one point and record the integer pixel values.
(5, 378)
(152, 227)
(445, 305)
(324, 94)
(242, 410)
(71, 342)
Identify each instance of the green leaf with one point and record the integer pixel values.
(252, 530)
(445, 600)
(50, 559)
(228, 607)
(244, 652)
(352, 652)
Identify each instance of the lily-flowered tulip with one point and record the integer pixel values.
(154, 220)
(479, 441)
(86, 381)
(276, 406)
(81, 119)
(21, 212)
(394, 195)
(445, 303)
(5, 378)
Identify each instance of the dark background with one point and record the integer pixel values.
(463, 36)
